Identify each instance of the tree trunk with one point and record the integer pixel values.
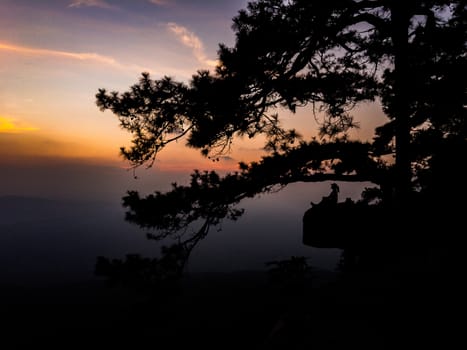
(400, 18)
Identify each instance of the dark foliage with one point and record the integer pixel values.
(331, 55)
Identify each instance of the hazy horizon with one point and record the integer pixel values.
(76, 215)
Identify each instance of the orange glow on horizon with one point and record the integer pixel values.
(190, 166)
(18, 146)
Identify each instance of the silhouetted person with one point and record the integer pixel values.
(331, 199)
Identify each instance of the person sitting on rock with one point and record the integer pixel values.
(329, 200)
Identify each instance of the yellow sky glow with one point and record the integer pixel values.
(12, 126)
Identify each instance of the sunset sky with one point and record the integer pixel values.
(56, 144)
(56, 54)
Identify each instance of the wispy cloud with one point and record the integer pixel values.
(159, 2)
(78, 56)
(12, 126)
(82, 56)
(227, 159)
(92, 3)
(192, 41)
